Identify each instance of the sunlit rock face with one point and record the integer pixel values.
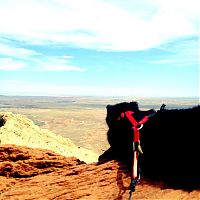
(18, 129)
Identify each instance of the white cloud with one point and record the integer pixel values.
(59, 67)
(43, 63)
(184, 53)
(96, 24)
(68, 57)
(178, 62)
(8, 64)
(55, 63)
(10, 50)
(17, 58)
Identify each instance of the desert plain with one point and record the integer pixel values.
(81, 119)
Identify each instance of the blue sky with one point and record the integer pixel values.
(147, 48)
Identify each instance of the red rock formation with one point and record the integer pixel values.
(27, 173)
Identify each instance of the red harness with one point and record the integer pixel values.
(136, 133)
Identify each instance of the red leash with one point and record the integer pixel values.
(135, 176)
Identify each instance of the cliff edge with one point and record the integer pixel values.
(19, 130)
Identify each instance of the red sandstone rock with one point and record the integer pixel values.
(27, 173)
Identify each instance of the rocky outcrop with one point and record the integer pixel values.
(27, 173)
(19, 130)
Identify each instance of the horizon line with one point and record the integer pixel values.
(101, 96)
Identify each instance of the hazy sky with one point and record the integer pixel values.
(99, 47)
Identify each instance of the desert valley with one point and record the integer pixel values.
(50, 147)
(81, 119)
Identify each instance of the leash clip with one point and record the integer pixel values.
(138, 128)
(141, 126)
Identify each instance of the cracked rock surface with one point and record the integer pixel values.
(31, 173)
